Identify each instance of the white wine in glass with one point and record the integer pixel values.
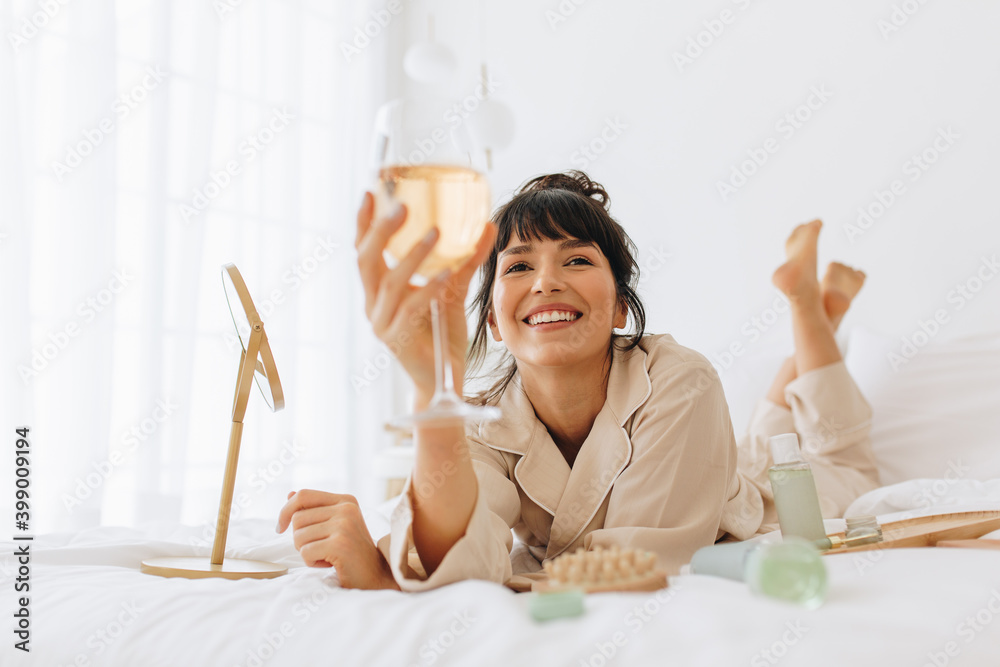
(441, 188)
(454, 198)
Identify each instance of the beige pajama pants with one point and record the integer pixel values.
(833, 421)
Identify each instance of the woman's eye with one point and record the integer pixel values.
(518, 267)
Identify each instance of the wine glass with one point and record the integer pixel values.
(426, 160)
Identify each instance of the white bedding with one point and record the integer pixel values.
(917, 497)
(892, 607)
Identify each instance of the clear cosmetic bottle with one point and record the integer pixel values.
(794, 489)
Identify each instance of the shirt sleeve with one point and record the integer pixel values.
(681, 490)
(483, 552)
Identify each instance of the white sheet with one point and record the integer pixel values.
(893, 607)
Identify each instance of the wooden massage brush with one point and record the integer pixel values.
(602, 570)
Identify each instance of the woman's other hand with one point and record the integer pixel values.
(400, 312)
(329, 530)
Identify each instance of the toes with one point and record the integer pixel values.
(812, 225)
(838, 269)
(842, 282)
(801, 234)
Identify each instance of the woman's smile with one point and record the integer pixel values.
(554, 324)
(548, 317)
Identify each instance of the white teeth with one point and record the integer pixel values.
(552, 316)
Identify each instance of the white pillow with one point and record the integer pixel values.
(920, 497)
(936, 408)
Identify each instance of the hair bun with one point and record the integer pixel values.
(573, 181)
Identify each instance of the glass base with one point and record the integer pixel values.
(447, 411)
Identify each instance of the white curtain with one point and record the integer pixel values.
(143, 145)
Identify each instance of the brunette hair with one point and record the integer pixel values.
(556, 206)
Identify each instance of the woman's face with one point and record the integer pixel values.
(554, 302)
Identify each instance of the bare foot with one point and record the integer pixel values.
(796, 278)
(840, 285)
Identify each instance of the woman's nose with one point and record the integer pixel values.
(548, 279)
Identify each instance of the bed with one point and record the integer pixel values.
(90, 605)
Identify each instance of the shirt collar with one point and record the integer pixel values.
(572, 496)
(628, 388)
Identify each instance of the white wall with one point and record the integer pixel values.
(686, 127)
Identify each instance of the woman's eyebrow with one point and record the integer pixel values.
(517, 250)
(575, 243)
(528, 247)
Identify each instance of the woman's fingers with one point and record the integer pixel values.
(370, 247)
(307, 499)
(400, 317)
(327, 535)
(364, 217)
(395, 283)
(377, 235)
(346, 510)
(311, 533)
(319, 554)
(459, 279)
(483, 248)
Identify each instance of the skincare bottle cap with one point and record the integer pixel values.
(785, 448)
(727, 559)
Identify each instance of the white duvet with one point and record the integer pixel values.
(918, 497)
(90, 605)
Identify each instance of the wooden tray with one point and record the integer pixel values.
(971, 544)
(927, 531)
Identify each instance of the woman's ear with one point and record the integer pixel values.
(621, 317)
(491, 321)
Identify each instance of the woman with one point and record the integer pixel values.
(604, 438)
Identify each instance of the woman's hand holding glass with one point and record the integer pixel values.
(400, 312)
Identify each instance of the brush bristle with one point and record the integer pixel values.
(604, 569)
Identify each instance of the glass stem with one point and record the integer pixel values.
(444, 381)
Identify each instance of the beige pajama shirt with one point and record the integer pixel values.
(833, 421)
(660, 470)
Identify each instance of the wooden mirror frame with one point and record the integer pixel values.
(255, 358)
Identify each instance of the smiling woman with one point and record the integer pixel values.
(605, 439)
(557, 230)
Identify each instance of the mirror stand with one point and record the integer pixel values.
(218, 565)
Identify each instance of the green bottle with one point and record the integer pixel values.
(794, 489)
(792, 570)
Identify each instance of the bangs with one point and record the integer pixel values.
(550, 215)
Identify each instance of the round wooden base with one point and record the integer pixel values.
(201, 568)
